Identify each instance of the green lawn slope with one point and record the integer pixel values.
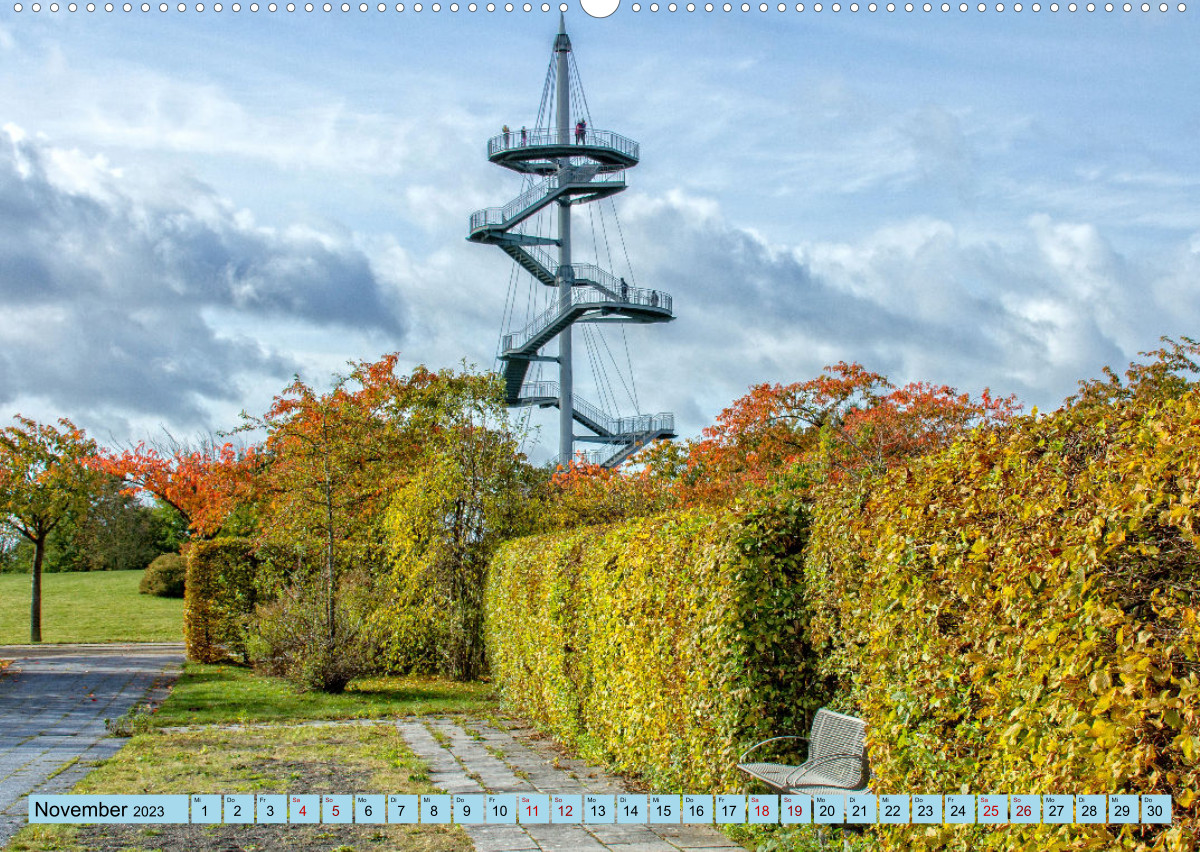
(88, 606)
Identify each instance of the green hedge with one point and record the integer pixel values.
(662, 646)
(1018, 614)
(219, 595)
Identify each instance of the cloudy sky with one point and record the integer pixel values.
(196, 206)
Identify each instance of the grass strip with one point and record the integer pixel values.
(225, 694)
(277, 759)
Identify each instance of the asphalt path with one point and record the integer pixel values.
(53, 703)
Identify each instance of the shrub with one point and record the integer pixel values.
(164, 577)
(471, 491)
(291, 636)
(661, 645)
(413, 632)
(219, 596)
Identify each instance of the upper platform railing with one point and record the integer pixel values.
(515, 140)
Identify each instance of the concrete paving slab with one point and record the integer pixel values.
(474, 754)
(53, 703)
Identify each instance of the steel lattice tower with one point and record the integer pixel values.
(573, 171)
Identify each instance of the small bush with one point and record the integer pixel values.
(220, 595)
(164, 577)
(135, 720)
(292, 637)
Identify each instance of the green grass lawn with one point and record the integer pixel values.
(211, 695)
(89, 606)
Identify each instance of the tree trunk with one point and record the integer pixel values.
(330, 584)
(35, 603)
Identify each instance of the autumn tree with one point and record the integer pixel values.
(328, 467)
(584, 494)
(204, 485)
(45, 475)
(327, 461)
(1162, 377)
(850, 421)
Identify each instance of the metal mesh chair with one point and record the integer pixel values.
(836, 764)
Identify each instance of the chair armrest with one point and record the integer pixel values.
(742, 759)
(829, 758)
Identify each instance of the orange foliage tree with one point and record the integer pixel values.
(331, 460)
(203, 485)
(849, 421)
(582, 494)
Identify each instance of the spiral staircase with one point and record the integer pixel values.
(567, 166)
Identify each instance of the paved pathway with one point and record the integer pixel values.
(53, 703)
(54, 700)
(480, 757)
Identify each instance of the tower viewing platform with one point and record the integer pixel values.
(539, 152)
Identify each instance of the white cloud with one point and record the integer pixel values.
(104, 291)
(919, 300)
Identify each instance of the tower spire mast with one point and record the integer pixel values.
(566, 278)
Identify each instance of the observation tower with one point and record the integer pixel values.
(566, 163)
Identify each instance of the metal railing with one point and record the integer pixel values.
(614, 293)
(638, 424)
(501, 216)
(590, 273)
(594, 415)
(547, 261)
(539, 390)
(619, 290)
(596, 457)
(642, 424)
(516, 139)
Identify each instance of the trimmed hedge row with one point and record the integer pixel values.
(1018, 614)
(219, 595)
(662, 645)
